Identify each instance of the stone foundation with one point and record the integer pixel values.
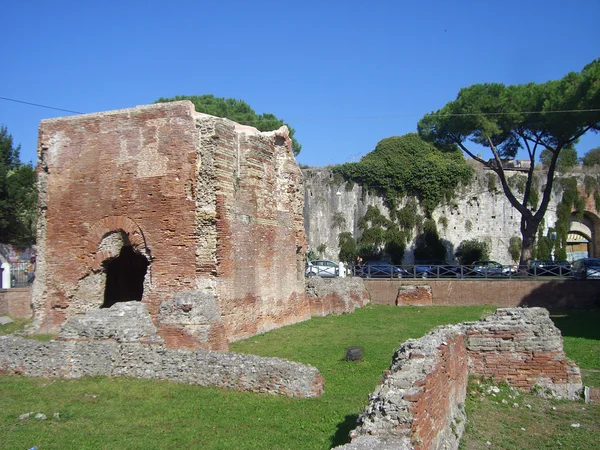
(76, 359)
(335, 295)
(420, 402)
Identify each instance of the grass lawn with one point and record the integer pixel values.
(121, 413)
(102, 413)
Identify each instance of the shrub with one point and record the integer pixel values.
(472, 250)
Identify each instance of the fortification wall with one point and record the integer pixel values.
(420, 402)
(478, 212)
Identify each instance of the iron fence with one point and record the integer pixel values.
(18, 274)
(517, 272)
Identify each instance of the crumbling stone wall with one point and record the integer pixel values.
(213, 208)
(76, 359)
(523, 348)
(123, 341)
(335, 295)
(420, 402)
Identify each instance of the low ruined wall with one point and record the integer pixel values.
(523, 348)
(15, 302)
(335, 295)
(503, 293)
(76, 359)
(420, 402)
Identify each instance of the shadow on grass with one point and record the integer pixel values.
(583, 324)
(341, 436)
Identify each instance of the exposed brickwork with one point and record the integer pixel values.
(335, 295)
(419, 404)
(414, 295)
(523, 348)
(565, 294)
(15, 302)
(212, 206)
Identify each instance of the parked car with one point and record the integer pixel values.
(547, 268)
(436, 269)
(322, 268)
(491, 269)
(381, 269)
(586, 268)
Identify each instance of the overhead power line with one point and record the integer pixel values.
(403, 116)
(39, 106)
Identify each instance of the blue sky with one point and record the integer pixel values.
(344, 74)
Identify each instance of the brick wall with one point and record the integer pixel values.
(260, 231)
(420, 402)
(502, 293)
(214, 207)
(15, 302)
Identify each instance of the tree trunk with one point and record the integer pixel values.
(528, 231)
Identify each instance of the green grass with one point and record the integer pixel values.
(547, 424)
(106, 413)
(103, 413)
(544, 424)
(581, 339)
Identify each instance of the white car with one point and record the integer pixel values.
(586, 268)
(322, 268)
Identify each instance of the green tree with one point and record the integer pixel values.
(509, 118)
(236, 110)
(565, 162)
(514, 248)
(408, 166)
(18, 195)
(591, 158)
(347, 245)
(379, 235)
(472, 250)
(428, 244)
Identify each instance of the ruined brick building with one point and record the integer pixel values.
(196, 216)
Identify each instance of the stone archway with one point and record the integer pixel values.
(121, 262)
(125, 276)
(583, 240)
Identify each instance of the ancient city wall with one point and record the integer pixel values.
(420, 402)
(207, 212)
(479, 211)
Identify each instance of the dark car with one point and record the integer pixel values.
(549, 268)
(586, 268)
(381, 269)
(491, 269)
(435, 268)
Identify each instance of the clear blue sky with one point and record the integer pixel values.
(345, 74)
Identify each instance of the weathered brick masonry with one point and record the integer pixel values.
(200, 206)
(420, 402)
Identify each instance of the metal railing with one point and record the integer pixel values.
(18, 274)
(463, 271)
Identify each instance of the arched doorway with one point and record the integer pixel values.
(125, 276)
(584, 237)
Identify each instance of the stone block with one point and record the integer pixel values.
(123, 322)
(414, 296)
